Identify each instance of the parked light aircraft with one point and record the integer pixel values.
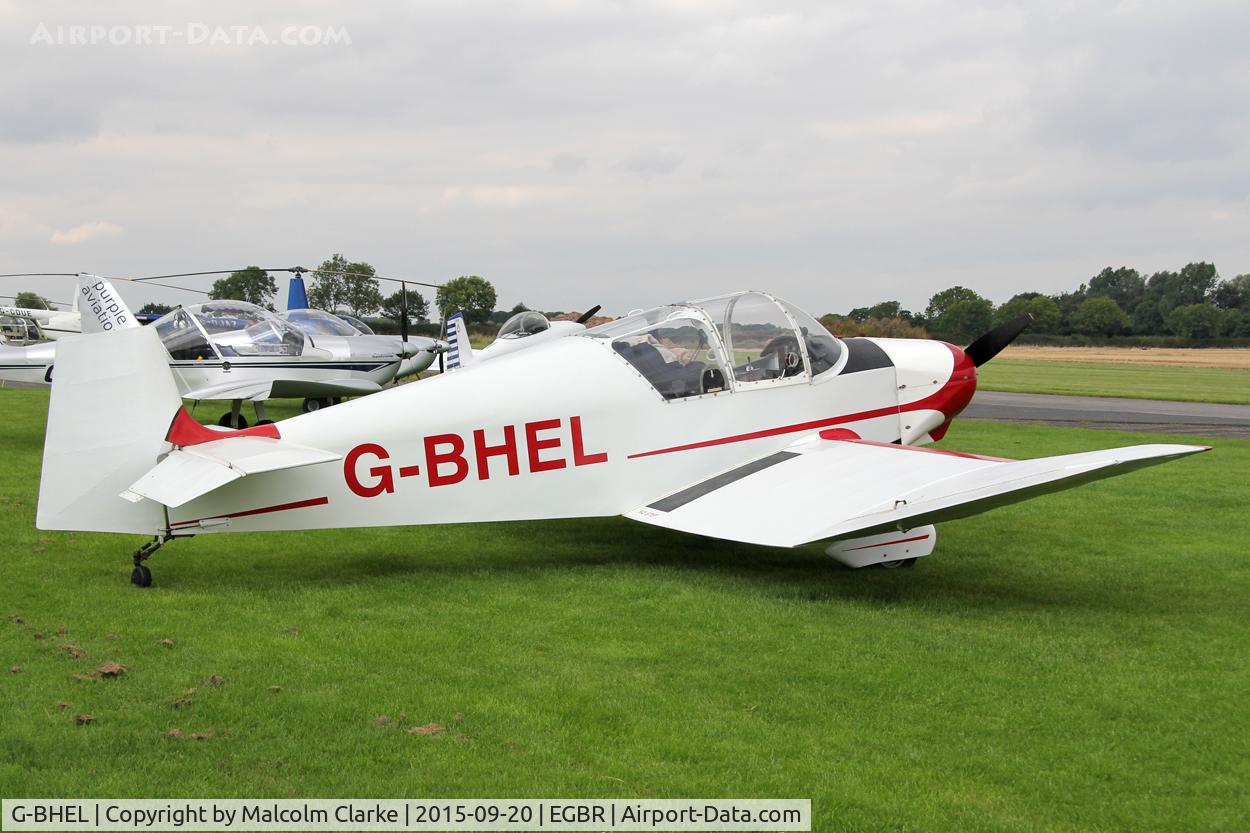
(236, 351)
(104, 311)
(344, 340)
(737, 417)
(239, 351)
(525, 329)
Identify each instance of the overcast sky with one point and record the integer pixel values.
(633, 153)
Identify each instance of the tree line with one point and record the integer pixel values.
(345, 286)
(1193, 303)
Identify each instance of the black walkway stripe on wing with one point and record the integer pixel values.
(237, 365)
(698, 490)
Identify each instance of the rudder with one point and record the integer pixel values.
(113, 398)
(459, 351)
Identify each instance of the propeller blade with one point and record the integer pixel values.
(589, 314)
(991, 344)
(403, 312)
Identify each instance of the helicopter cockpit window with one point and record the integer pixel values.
(524, 324)
(672, 348)
(823, 350)
(18, 331)
(183, 337)
(315, 322)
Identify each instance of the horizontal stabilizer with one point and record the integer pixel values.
(189, 472)
(283, 389)
(829, 489)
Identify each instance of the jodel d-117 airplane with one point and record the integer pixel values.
(737, 417)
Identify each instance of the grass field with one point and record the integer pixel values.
(1079, 662)
(1080, 378)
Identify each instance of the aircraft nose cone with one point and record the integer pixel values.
(958, 390)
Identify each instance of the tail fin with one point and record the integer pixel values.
(459, 351)
(113, 399)
(102, 307)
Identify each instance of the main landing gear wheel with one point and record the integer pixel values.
(141, 576)
(894, 565)
(232, 420)
(311, 405)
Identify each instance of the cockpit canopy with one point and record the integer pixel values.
(731, 342)
(365, 329)
(315, 322)
(524, 324)
(227, 329)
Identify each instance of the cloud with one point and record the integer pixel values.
(837, 154)
(86, 231)
(649, 163)
(568, 163)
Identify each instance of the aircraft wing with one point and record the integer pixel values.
(819, 489)
(191, 471)
(284, 389)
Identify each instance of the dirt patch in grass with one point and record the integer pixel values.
(1223, 358)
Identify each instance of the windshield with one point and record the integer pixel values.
(314, 322)
(823, 350)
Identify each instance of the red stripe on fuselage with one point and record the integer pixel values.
(299, 504)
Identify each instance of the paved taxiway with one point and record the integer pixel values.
(1199, 418)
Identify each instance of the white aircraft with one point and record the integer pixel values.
(106, 311)
(737, 417)
(345, 340)
(525, 329)
(239, 351)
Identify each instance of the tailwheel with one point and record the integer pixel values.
(141, 576)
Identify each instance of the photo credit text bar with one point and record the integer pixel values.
(408, 814)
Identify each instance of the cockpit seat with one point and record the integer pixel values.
(671, 379)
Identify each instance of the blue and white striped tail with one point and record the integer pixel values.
(459, 351)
